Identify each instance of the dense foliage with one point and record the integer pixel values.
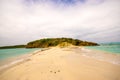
(49, 42)
(15, 46)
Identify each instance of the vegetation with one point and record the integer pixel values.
(50, 42)
(64, 44)
(15, 46)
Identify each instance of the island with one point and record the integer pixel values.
(52, 42)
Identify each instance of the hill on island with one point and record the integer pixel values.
(51, 42)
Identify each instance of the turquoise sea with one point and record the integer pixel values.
(110, 47)
(8, 53)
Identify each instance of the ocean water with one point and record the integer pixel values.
(112, 48)
(110, 52)
(8, 53)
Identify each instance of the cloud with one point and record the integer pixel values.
(22, 21)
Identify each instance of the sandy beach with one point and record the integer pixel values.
(63, 64)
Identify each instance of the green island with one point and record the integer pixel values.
(52, 42)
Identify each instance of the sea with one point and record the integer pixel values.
(109, 52)
(107, 47)
(9, 53)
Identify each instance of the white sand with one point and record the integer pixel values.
(62, 64)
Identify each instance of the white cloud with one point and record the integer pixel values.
(94, 20)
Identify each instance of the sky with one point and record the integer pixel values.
(22, 21)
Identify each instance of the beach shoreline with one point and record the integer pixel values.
(62, 59)
(101, 55)
(9, 62)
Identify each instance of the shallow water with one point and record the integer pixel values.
(8, 53)
(107, 48)
(101, 55)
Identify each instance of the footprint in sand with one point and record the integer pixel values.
(55, 71)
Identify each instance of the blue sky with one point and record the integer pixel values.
(22, 21)
(58, 1)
